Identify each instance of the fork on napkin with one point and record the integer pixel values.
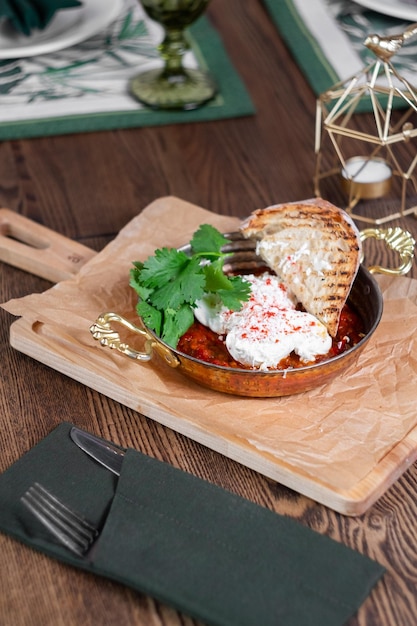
(190, 544)
(28, 15)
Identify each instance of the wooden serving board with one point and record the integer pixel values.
(212, 418)
(61, 353)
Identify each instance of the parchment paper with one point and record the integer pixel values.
(336, 433)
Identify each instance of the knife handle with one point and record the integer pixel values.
(39, 250)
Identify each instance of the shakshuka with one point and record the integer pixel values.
(270, 331)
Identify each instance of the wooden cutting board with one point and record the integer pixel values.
(85, 363)
(59, 352)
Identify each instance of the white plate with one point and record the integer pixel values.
(67, 28)
(403, 9)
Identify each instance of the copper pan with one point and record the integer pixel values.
(365, 298)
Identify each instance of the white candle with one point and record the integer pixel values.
(363, 170)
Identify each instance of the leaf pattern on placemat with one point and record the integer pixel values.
(358, 22)
(93, 66)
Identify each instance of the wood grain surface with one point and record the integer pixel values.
(87, 187)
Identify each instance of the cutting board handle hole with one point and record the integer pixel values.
(21, 235)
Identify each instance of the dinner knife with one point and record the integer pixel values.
(104, 452)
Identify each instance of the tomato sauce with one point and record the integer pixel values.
(202, 343)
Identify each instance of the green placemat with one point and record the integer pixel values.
(326, 39)
(84, 88)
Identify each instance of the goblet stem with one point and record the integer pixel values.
(172, 51)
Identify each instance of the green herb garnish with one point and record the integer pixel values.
(170, 282)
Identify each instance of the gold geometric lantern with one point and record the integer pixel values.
(369, 163)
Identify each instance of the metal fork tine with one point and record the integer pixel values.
(238, 243)
(70, 528)
(69, 515)
(242, 257)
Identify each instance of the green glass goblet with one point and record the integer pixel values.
(174, 87)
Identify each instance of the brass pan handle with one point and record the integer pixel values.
(397, 239)
(103, 331)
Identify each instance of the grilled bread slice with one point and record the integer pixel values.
(314, 247)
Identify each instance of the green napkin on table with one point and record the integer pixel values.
(188, 543)
(27, 15)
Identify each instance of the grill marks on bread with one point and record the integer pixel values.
(315, 249)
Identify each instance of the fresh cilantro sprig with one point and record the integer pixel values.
(170, 282)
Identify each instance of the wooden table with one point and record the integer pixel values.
(87, 187)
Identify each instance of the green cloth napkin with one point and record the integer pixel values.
(188, 543)
(27, 15)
